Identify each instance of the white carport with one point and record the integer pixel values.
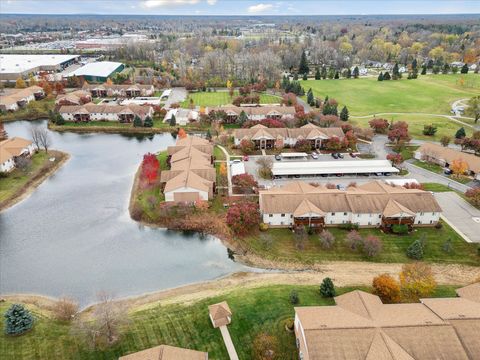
(316, 168)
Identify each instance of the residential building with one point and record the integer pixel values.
(191, 176)
(270, 138)
(182, 116)
(11, 150)
(93, 112)
(166, 352)
(98, 72)
(254, 113)
(374, 204)
(112, 90)
(361, 327)
(18, 98)
(77, 97)
(444, 156)
(14, 66)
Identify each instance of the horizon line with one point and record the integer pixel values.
(250, 15)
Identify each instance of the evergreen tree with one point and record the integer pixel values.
(331, 73)
(303, 67)
(324, 72)
(173, 120)
(380, 76)
(349, 73)
(304, 77)
(18, 320)
(445, 69)
(344, 114)
(137, 122)
(148, 122)
(395, 72)
(460, 134)
(415, 250)
(337, 75)
(333, 110)
(436, 69)
(242, 117)
(386, 76)
(208, 136)
(464, 69)
(317, 74)
(356, 72)
(59, 120)
(414, 64)
(295, 76)
(327, 289)
(424, 69)
(310, 98)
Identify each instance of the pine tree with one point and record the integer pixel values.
(327, 289)
(18, 320)
(208, 136)
(415, 250)
(337, 75)
(380, 76)
(445, 69)
(137, 122)
(356, 72)
(303, 67)
(334, 110)
(344, 114)
(386, 76)
(173, 120)
(349, 73)
(317, 74)
(304, 77)
(148, 122)
(395, 72)
(324, 72)
(414, 64)
(460, 134)
(424, 69)
(464, 69)
(242, 117)
(310, 98)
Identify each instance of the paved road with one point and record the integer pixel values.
(460, 214)
(232, 353)
(423, 176)
(177, 96)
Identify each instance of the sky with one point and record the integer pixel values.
(243, 7)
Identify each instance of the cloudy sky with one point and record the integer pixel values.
(236, 7)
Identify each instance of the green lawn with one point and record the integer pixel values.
(222, 98)
(254, 310)
(427, 94)
(218, 153)
(429, 166)
(279, 245)
(17, 178)
(436, 187)
(33, 111)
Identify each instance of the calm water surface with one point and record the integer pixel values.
(73, 236)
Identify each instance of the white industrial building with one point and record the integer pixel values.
(98, 71)
(343, 167)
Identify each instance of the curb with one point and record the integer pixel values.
(465, 237)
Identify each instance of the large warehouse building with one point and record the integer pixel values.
(13, 66)
(98, 72)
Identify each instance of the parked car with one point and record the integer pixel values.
(340, 187)
(340, 155)
(278, 157)
(236, 161)
(387, 174)
(338, 175)
(245, 157)
(324, 175)
(378, 174)
(335, 155)
(447, 171)
(353, 155)
(314, 155)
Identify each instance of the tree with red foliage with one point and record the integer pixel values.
(350, 140)
(473, 195)
(372, 245)
(333, 143)
(243, 217)
(396, 159)
(245, 90)
(150, 167)
(327, 120)
(289, 99)
(247, 146)
(303, 145)
(379, 125)
(245, 183)
(399, 132)
(346, 127)
(413, 185)
(59, 88)
(270, 123)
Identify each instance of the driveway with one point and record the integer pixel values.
(177, 96)
(460, 214)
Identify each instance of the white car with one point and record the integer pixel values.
(314, 155)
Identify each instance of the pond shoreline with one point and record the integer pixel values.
(26, 190)
(116, 129)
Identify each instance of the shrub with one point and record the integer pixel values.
(416, 281)
(387, 288)
(327, 240)
(294, 299)
(400, 229)
(372, 246)
(429, 129)
(247, 147)
(289, 323)
(327, 289)
(265, 347)
(245, 183)
(243, 217)
(415, 250)
(348, 226)
(447, 246)
(65, 309)
(303, 145)
(379, 125)
(354, 240)
(18, 320)
(263, 227)
(438, 225)
(473, 195)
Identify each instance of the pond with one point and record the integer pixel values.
(73, 236)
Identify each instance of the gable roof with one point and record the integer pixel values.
(166, 352)
(12, 147)
(471, 292)
(449, 155)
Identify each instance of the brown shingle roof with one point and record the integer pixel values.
(12, 147)
(140, 110)
(449, 155)
(166, 352)
(220, 314)
(309, 131)
(471, 292)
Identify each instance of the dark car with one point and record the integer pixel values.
(353, 155)
(335, 155)
(340, 155)
(278, 157)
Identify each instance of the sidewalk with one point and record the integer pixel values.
(232, 353)
(229, 177)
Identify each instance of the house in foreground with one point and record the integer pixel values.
(361, 327)
(374, 204)
(277, 138)
(11, 150)
(191, 176)
(166, 352)
(444, 156)
(105, 112)
(255, 113)
(18, 98)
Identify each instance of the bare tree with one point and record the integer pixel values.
(35, 134)
(45, 139)
(65, 309)
(265, 167)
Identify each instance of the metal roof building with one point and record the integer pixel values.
(98, 71)
(315, 168)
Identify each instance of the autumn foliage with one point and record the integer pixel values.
(379, 125)
(399, 132)
(417, 281)
(387, 288)
(182, 134)
(245, 183)
(396, 159)
(150, 167)
(243, 217)
(473, 195)
(458, 167)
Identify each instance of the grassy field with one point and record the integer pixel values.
(222, 98)
(254, 311)
(33, 111)
(279, 245)
(218, 153)
(427, 94)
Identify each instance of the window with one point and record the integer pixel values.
(270, 215)
(291, 216)
(344, 214)
(283, 215)
(419, 222)
(379, 216)
(421, 214)
(358, 215)
(298, 342)
(433, 213)
(431, 221)
(333, 214)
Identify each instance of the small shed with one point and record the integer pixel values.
(220, 314)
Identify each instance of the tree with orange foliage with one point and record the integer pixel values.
(416, 281)
(109, 81)
(223, 169)
(387, 288)
(47, 88)
(182, 134)
(458, 167)
(59, 88)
